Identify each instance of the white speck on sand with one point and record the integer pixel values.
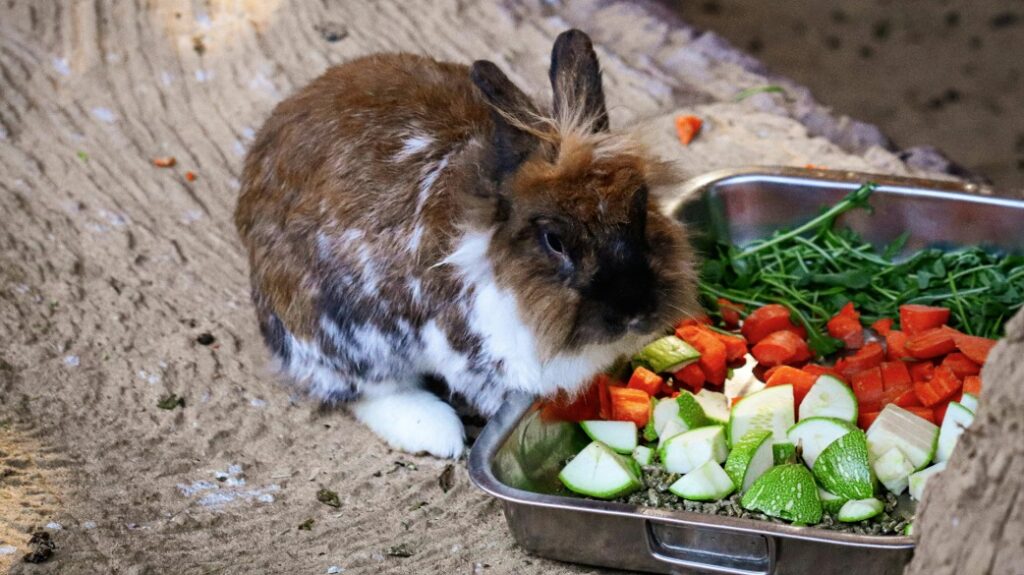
(8, 550)
(191, 216)
(248, 133)
(89, 525)
(334, 570)
(60, 65)
(203, 75)
(257, 402)
(166, 78)
(71, 360)
(239, 148)
(54, 526)
(104, 114)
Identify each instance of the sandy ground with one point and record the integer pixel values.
(944, 73)
(122, 283)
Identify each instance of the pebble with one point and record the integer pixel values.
(54, 526)
(8, 550)
(334, 569)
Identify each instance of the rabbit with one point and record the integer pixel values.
(409, 219)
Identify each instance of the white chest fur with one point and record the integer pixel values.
(493, 315)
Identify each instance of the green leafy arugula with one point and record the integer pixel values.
(815, 269)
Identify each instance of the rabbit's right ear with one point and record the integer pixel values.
(512, 112)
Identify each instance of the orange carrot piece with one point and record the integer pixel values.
(564, 407)
(921, 370)
(817, 370)
(630, 404)
(798, 378)
(687, 128)
(730, 312)
(768, 319)
(712, 351)
(645, 380)
(907, 399)
(735, 346)
(780, 348)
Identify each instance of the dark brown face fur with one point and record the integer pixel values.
(586, 250)
(578, 240)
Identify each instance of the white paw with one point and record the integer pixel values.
(413, 421)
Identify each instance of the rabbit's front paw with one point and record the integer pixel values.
(414, 421)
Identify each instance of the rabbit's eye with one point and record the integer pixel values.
(554, 243)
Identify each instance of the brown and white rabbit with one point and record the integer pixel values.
(408, 218)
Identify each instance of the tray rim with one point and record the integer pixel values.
(518, 406)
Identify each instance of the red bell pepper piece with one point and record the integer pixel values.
(915, 319)
(931, 343)
(972, 385)
(882, 326)
(867, 385)
(895, 375)
(871, 355)
(866, 418)
(692, 376)
(974, 347)
(943, 384)
(961, 365)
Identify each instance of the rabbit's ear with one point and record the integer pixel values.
(512, 111)
(576, 81)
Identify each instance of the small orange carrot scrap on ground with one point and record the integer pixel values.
(190, 176)
(164, 162)
(687, 128)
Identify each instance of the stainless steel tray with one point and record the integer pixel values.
(518, 455)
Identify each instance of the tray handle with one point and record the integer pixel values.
(710, 550)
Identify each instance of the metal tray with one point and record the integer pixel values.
(518, 455)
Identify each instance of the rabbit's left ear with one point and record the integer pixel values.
(576, 81)
(512, 111)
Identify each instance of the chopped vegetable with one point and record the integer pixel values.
(845, 326)
(972, 384)
(645, 380)
(768, 319)
(618, 435)
(712, 351)
(730, 312)
(709, 482)
(787, 492)
(943, 384)
(629, 405)
(915, 319)
(599, 472)
(687, 128)
(781, 347)
(692, 376)
(665, 355)
(799, 379)
(931, 343)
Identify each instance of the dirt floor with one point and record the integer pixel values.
(139, 427)
(945, 73)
